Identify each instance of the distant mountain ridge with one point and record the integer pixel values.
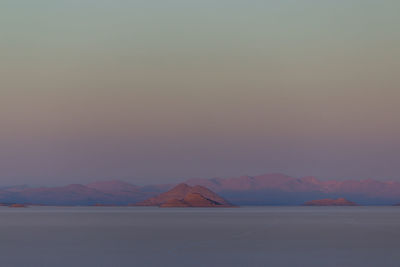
(105, 192)
(280, 189)
(266, 189)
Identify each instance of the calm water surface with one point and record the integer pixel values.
(246, 236)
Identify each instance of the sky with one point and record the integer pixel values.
(160, 91)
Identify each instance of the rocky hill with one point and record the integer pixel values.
(184, 195)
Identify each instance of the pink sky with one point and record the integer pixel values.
(151, 93)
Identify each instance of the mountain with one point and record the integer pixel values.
(330, 202)
(74, 194)
(280, 189)
(184, 195)
(15, 188)
(97, 193)
(112, 187)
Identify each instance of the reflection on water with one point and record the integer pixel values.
(246, 236)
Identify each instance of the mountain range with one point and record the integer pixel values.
(105, 192)
(266, 189)
(280, 189)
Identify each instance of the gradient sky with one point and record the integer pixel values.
(158, 91)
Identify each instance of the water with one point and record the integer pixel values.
(246, 236)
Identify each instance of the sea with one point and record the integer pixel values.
(243, 236)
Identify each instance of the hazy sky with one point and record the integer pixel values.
(157, 91)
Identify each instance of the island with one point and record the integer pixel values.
(184, 195)
(17, 206)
